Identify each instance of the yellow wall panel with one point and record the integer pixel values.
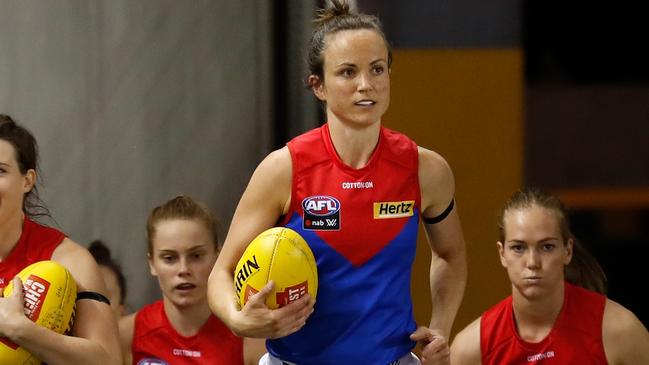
(468, 106)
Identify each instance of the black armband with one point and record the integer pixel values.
(92, 296)
(440, 217)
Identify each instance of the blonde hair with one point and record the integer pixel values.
(181, 207)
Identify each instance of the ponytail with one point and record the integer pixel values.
(585, 271)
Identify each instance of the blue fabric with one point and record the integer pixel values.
(363, 315)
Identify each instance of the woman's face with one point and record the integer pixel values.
(13, 184)
(356, 85)
(182, 259)
(534, 252)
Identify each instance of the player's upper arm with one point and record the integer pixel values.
(437, 191)
(264, 201)
(436, 182)
(94, 320)
(626, 340)
(81, 265)
(465, 349)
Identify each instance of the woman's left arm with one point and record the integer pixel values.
(448, 269)
(94, 337)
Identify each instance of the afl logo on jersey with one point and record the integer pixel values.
(321, 212)
(151, 362)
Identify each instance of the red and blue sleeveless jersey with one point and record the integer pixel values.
(575, 338)
(36, 243)
(361, 225)
(156, 342)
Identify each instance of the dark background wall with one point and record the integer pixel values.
(587, 129)
(581, 85)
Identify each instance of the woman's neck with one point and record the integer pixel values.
(187, 320)
(535, 317)
(10, 231)
(354, 145)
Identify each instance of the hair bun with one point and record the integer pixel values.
(335, 9)
(99, 251)
(6, 120)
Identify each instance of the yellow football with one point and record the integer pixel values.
(50, 294)
(279, 254)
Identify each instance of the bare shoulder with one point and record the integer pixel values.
(619, 320)
(436, 182)
(432, 163)
(465, 349)
(277, 163)
(81, 265)
(626, 340)
(272, 178)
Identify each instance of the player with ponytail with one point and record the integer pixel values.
(558, 312)
(373, 186)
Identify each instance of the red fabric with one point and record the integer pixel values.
(316, 163)
(575, 338)
(36, 243)
(155, 340)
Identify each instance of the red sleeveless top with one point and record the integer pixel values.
(36, 243)
(575, 338)
(155, 341)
